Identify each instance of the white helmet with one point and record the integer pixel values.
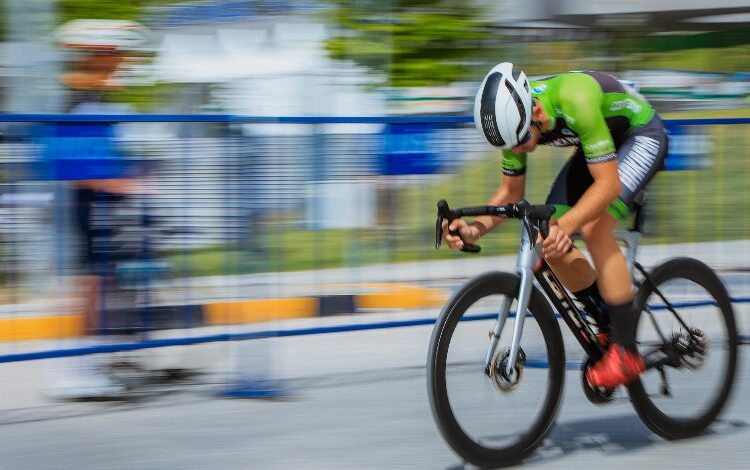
(502, 107)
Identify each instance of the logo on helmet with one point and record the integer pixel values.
(539, 89)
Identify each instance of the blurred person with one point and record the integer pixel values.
(101, 214)
(106, 189)
(97, 212)
(620, 143)
(100, 210)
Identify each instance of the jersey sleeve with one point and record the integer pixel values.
(513, 165)
(581, 102)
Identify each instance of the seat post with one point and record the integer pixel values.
(632, 238)
(639, 219)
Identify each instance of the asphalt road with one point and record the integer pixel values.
(358, 401)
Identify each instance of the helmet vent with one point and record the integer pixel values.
(519, 105)
(487, 110)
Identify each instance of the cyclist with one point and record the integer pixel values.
(620, 144)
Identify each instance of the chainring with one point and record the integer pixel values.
(596, 395)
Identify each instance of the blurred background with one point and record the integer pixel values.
(180, 171)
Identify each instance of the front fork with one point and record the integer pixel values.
(495, 333)
(528, 257)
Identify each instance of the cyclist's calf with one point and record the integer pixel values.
(574, 270)
(613, 275)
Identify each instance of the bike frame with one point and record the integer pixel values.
(531, 266)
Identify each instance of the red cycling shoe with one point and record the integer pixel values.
(618, 367)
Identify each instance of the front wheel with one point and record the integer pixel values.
(489, 419)
(683, 398)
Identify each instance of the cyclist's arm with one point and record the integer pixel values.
(596, 199)
(511, 189)
(582, 113)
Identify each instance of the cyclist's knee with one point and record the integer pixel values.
(599, 235)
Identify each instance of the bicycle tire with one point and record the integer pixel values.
(654, 418)
(494, 283)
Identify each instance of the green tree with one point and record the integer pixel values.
(414, 42)
(106, 9)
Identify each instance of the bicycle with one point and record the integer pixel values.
(683, 348)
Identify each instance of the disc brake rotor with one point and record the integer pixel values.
(501, 380)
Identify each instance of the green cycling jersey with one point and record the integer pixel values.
(592, 110)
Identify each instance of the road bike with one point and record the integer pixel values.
(495, 396)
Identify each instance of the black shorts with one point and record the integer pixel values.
(639, 157)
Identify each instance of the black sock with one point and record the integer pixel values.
(594, 305)
(623, 325)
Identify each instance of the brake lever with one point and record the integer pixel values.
(526, 222)
(544, 228)
(444, 213)
(438, 232)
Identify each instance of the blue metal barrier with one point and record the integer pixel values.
(233, 119)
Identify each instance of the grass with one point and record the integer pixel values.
(710, 204)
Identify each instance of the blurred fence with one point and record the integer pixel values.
(167, 229)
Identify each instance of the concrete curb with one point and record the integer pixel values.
(132, 320)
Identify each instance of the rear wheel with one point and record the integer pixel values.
(681, 400)
(494, 419)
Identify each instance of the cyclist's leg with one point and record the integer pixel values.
(622, 362)
(639, 157)
(573, 269)
(611, 265)
(613, 277)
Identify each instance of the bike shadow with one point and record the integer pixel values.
(615, 434)
(611, 435)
